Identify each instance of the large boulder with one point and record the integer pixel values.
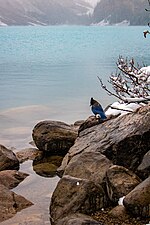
(8, 159)
(11, 178)
(54, 137)
(120, 181)
(11, 203)
(89, 165)
(137, 202)
(75, 195)
(124, 140)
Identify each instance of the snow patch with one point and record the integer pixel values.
(103, 22)
(123, 23)
(3, 24)
(118, 108)
(120, 202)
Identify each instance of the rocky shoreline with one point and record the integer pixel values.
(108, 161)
(10, 177)
(103, 161)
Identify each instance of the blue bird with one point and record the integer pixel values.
(97, 109)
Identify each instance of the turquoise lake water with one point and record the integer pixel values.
(51, 72)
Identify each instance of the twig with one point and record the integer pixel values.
(105, 88)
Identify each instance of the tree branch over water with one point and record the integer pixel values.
(131, 83)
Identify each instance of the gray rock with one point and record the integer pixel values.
(143, 169)
(124, 140)
(120, 181)
(8, 159)
(89, 165)
(75, 195)
(54, 137)
(78, 219)
(11, 178)
(137, 202)
(11, 203)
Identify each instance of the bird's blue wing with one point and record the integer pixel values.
(99, 110)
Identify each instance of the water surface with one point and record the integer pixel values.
(51, 73)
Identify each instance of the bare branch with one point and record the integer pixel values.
(131, 83)
(105, 88)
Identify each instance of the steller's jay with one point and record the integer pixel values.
(97, 109)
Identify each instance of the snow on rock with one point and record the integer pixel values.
(120, 202)
(118, 108)
(3, 24)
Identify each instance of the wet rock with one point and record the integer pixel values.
(11, 203)
(47, 166)
(120, 181)
(137, 202)
(89, 165)
(11, 178)
(124, 140)
(8, 159)
(78, 219)
(75, 195)
(54, 137)
(143, 169)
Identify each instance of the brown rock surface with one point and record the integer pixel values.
(8, 159)
(28, 154)
(11, 203)
(137, 202)
(124, 140)
(143, 169)
(120, 181)
(54, 137)
(11, 178)
(89, 165)
(75, 195)
(78, 219)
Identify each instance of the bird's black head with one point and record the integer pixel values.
(92, 101)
